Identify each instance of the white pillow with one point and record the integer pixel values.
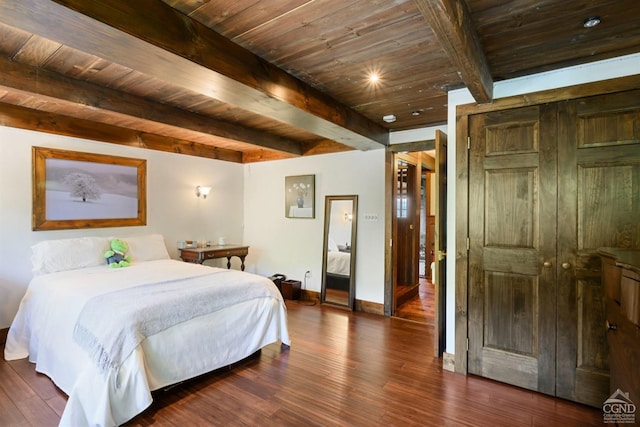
(50, 256)
(146, 248)
(332, 246)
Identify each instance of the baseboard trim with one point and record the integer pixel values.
(449, 362)
(369, 307)
(364, 306)
(307, 295)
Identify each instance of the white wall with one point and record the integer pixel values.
(414, 135)
(602, 70)
(172, 207)
(293, 246)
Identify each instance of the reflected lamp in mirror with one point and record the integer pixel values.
(202, 191)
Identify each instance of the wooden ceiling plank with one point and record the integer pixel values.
(451, 22)
(328, 25)
(239, 18)
(153, 38)
(52, 85)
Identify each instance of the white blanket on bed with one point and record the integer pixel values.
(155, 305)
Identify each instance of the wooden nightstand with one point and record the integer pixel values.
(199, 255)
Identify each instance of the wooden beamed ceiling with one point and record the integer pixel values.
(246, 81)
(179, 50)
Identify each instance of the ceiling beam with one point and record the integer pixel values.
(39, 82)
(26, 118)
(451, 22)
(426, 145)
(157, 40)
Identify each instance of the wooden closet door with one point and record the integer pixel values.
(512, 232)
(598, 206)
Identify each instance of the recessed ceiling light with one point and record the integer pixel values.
(591, 22)
(389, 118)
(415, 113)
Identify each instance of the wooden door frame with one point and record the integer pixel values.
(463, 112)
(391, 172)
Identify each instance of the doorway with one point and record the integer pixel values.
(415, 293)
(410, 253)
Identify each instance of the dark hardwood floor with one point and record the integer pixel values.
(343, 369)
(421, 307)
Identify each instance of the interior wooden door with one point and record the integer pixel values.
(598, 206)
(512, 233)
(407, 215)
(440, 241)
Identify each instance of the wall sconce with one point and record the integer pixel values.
(202, 191)
(348, 216)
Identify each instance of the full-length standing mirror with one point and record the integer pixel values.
(339, 253)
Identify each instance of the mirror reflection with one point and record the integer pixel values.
(339, 254)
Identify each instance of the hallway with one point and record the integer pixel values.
(420, 308)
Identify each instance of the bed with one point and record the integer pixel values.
(108, 337)
(338, 267)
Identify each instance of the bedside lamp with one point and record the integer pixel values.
(202, 191)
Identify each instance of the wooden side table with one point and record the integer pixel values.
(199, 255)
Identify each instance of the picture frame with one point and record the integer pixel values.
(73, 190)
(299, 196)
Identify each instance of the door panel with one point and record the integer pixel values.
(511, 194)
(606, 205)
(598, 205)
(512, 212)
(513, 328)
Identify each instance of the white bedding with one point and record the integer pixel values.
(339, 263)
(43, 331)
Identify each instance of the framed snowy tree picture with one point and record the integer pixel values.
(84, 190)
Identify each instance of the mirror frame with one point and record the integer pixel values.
(328, 201)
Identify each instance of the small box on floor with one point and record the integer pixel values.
(290, 289)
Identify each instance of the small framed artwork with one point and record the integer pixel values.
(84, 190)
(300, 196)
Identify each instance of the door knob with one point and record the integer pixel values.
(546, 264)
(441, 255)
(566, 265)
